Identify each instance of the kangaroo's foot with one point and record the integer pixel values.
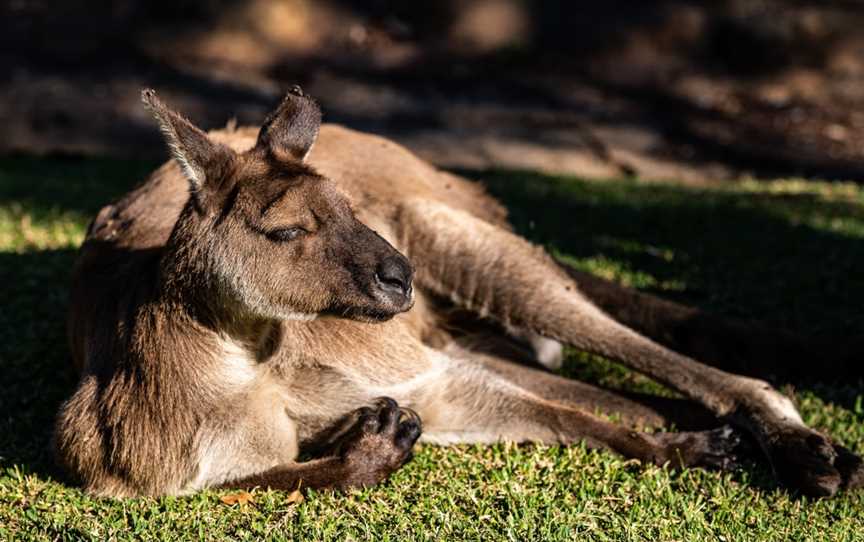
(850, 467)
(714, 449)
(379, 443)
(807, 461)
(802, 459)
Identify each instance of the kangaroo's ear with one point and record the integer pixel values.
(290, 131)
(202, 160)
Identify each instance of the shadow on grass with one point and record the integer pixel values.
(789, 259)
(81, 185)
(36, 374)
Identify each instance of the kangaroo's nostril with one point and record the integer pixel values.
(394, 275)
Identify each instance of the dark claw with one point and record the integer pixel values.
(386, 403)
(407, 434)
(363, 412)
(412, 416)
(389, 413)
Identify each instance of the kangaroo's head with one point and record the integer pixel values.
(265, 234)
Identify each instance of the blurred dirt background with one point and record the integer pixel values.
(697, 91)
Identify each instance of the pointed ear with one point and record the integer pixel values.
(202, 161)
(290, 131)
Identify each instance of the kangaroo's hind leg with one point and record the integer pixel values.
(467, 402)
(498, 351)
(633, 409)
(500, 275)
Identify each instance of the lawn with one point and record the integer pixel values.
(788, 252)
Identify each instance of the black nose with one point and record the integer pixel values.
(394, 275)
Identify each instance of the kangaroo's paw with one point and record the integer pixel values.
(714, 449)
(379, 443)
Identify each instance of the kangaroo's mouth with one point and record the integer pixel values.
(393, 300)
(381, 313)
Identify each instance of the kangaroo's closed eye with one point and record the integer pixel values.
(286, 234)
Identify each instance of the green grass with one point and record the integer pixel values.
(788, 252)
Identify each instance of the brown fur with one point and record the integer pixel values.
(212, 352)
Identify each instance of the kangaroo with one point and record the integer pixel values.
(308, 291)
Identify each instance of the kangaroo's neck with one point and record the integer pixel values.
(209, 327)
